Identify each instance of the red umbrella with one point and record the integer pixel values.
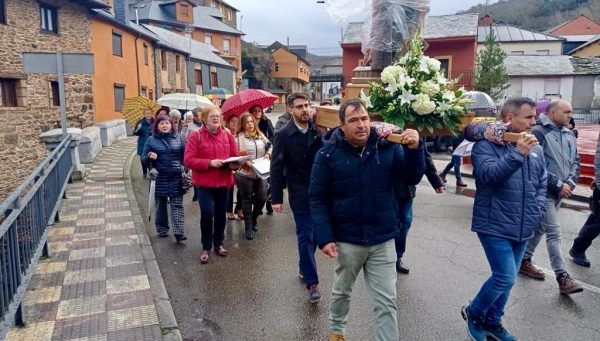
(243, 100)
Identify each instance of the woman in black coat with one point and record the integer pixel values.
(266, 128)
(165, 149)
(143, 129)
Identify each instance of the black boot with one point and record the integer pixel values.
(249, 232)
(254, 224)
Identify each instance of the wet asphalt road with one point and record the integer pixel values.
(255, 293)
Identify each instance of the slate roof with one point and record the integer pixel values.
(213, 12)
(199, 51)
(508, 34)
(451, 26)
(91, 3)
(203, 17)
(129, 25)
(538, 65)
(442, 26)
(588, 66)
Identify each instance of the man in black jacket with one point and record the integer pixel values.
(294, 149)
(404, 196)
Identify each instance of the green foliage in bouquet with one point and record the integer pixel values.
(415, 91)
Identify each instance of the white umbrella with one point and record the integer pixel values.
(481, 101)
(183, 101)
(463, 149)
(152, 174)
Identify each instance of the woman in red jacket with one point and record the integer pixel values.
(205, 151)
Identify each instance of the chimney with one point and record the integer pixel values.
(121, 10)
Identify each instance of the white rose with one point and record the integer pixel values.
(433, 64)
(403, 60)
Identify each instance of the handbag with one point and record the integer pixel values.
(186, 178)
(186, 173)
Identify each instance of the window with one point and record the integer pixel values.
(144, 91)
(177, 63)
(8, 92)
(515, 88)
(276, 67)
(163, 59)
(198, 77)
(184, 10)
(117, 45)
(55, 94)
(2, 12)
(542, 52)
(445, 65)
(214, 80)
(48, 18)
(119, 96)
(151, 95)
(145, 54)
(226, 44)
(208, 39)
(552, 87)
(517, 53)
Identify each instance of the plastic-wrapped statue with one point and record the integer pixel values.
(388, 26)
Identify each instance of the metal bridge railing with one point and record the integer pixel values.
(24, 218)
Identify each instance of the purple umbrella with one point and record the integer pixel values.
(540, 106)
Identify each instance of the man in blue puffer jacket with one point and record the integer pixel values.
(509, 204)
(355, 213)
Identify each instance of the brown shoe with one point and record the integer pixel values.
(568, 285)
(528, 269)
(336, 337)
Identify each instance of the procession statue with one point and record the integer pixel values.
(388, 27)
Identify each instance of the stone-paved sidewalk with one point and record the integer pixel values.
(101, 281)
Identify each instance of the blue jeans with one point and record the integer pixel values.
(504, 257)
(306, 246)
(456, 161)
(213, 202)
(404, 222)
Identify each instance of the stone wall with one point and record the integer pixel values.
(20, 127)
(172, 80)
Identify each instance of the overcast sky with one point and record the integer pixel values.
(306, 22)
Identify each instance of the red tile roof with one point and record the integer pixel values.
(580, 25)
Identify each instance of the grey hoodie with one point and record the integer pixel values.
(560, 152)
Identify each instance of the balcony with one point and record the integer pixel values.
(463, 78)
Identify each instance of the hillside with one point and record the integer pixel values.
(538, 15)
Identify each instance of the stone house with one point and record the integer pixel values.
(204, 24)
(29, 103)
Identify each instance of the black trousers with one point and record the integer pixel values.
(589, 231)
(254, 195)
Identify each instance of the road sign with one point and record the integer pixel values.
(59, 63)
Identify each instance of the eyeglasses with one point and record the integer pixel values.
(300, 106)
(212, 117)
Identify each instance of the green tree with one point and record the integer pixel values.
(490, 75)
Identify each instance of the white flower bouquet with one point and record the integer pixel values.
(414, 91)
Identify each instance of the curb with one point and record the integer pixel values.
(574, 197)
(164, 310)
